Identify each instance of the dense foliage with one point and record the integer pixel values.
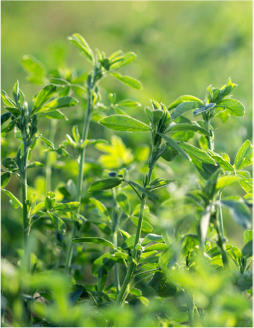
(110, 241)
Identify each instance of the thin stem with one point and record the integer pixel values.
(80, 178)
(189, 302)
(26, 227)
(114, 229)
(48, 164)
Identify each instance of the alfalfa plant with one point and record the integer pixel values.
(136, 250)
(102, 66)
(23, 118)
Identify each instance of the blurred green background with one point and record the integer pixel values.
(182, 48)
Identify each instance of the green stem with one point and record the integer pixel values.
(48, 164)
(124, 291)
(26, 226)
(114, 229)
(80, 178)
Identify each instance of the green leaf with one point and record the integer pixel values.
(226, 181)
(247, 185)
(169, 154)
(171, 142)
(125, 60)
(58, 223)
(96, 240)
(33, 65)
(127, 103)
(130, 81)
(157, 247)
(34, 164)
(224, 164)
(101, 208)
(163, 286)
(5, 117)
(184, 107)
(244, 156)
(66, 207)
(129, 242)
(5, 179)
(38, 207)
(56, 104)
(188, 127)
(124, 123)
(58, 81)
(13, 111)
(151, 238)
(247, 249)
(13, 198)
(124, 203)
(197, 153)
(7, 100)
(10, 163)
(248, 236)
(55, 115)
(159, 182)
(104, 184)
(239, 211)
(145, 191)
(48, 142)
(234, 107)
(105, 63)
(44, 95)
(16, 93)
(106, 261)
(204, 108)
(83, 47)
(182, 99)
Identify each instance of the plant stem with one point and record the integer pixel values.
(114, 230)
(80, 178)
(124, 291)
(48, 169)
(26, 227)
(219, 218)
(189, 302)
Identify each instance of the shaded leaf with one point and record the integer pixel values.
(96, 240)
(104, 184)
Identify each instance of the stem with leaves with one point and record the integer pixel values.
(81, 161)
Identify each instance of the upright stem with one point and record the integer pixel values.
(124, 291)
(114, 229)
(80, 178)
(26, 227)
(48, 157)
(219, 218)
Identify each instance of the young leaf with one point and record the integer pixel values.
(247, 249)
(35, 164)
(248, 236)
(83, 47)
(5, 117)
(171, 142)
(188, 127)
(151, 238)
(58, 223)
(130, 81)
(234, 107)
(204, 108)
(244, 156)
(128, 104)
(55, 115)
(124, 123)
(33, 65)
(66, 207)
(184, 107)
(7, 100)
(13, 198)
(226, 181)
(197, 153)
(48, 142)
(223, 163)
(96, 240)
(182, 99)
(56, 104)
(5, 179)
(159, 182)
(239, 212)
(125, 60)
(163, 286)
(104, 184)
(45, 94)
